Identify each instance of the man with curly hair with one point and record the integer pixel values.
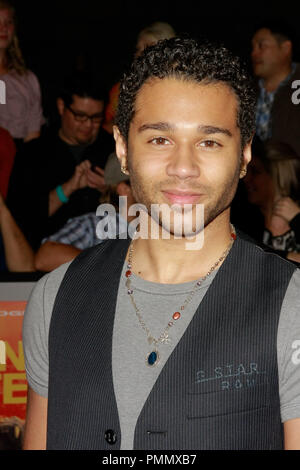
(154, 343)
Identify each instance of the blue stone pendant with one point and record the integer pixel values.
(153, 358)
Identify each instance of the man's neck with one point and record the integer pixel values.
(72, 142)
(170, 262)
(272, 83)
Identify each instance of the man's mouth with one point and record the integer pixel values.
(86, 133)
(175, 196)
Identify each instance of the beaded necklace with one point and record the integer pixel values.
(153, 356)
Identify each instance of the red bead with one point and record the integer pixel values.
(176, 316)
(128, 273)
(233, 235)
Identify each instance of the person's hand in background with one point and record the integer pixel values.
(286, 208)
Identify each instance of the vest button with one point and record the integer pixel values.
(110, 436)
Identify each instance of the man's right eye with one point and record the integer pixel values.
(159, 141)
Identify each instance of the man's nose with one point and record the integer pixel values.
(183, 163)
(88, 123)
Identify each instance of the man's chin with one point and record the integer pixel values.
(259, 71)
(85, 140)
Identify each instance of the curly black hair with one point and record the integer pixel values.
(187, 59)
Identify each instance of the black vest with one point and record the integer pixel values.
(219, 388)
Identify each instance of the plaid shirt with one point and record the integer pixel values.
(264, 107)
(82, 231)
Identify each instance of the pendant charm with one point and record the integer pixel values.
(152, 358)
(165, 338)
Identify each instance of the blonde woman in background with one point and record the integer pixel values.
(21, 114)
(153, 33)
(272, 183)
(146, 37)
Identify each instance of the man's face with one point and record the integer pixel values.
(7, 28)
(74, 131)
(184, 146)
(268, 55)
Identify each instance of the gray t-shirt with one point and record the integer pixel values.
(157, 303)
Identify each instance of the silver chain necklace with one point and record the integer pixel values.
(153, 357)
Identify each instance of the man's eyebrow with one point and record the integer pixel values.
(166, 126)
(157, 126)
(214, 130)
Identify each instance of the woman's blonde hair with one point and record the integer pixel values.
(158, 30)
(284, 168)
(14, 57)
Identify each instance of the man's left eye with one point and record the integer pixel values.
(209, 143)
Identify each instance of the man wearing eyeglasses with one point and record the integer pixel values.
(60, 175)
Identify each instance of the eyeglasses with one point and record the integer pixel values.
(81, 117)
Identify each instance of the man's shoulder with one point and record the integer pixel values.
(45, 143)
(105, 253)
(264, 253)
(48, 285)
(50, 137)
(295, 75)
(93, 265)
(107, 249)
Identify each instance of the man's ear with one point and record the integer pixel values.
(60, 106)
(121, 147)
(286, 47)
(245, 159)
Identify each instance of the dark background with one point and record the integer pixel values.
(58, 37)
